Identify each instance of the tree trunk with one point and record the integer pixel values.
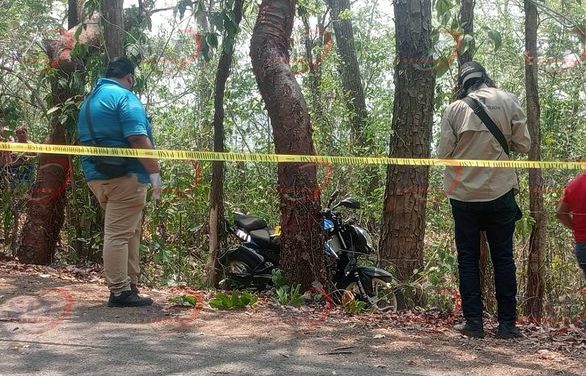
(302, 242)
(74, 11)
(349, 70)
(353, 89)
(535, 264)
(486, 275)
(467, 23)
(403, 226)
(113, 28)
(204, 70)
(314, 75)
(45, 208)
(217, 233)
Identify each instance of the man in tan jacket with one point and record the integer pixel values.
(482, 199)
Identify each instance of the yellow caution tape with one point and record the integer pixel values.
(276, 158)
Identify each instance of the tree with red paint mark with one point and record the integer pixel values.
(302, 257)
(46, 205)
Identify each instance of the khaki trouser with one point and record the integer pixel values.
(123, 200)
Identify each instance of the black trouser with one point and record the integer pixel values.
(497, 218)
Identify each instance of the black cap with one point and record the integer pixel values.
(469, 71)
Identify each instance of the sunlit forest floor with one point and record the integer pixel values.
(55, 321)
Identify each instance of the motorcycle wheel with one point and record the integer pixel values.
(381, 293)
(238, 267)
(238, 270)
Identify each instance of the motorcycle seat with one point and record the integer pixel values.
(249, 222)
(264, 239)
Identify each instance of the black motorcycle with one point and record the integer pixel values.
(250, 264)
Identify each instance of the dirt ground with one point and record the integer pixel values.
(55, 322)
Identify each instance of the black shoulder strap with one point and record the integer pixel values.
(88, 119)
(492, 127)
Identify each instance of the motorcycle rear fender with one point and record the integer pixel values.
(372, 272)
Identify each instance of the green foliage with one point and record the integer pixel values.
(184, 300)
(496, 38)
(346, 14)
(354, 306)
(83, 222)
(234, 300)
(443, 10)
(278, 278)
(467, 41)
(210, 44)
(182, 5)
(287, 296)
(91, 6)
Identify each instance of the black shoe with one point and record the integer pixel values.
(471, 329)
(128, 299)
(134, 288)
(508, 331)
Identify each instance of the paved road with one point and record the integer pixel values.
(54, 327)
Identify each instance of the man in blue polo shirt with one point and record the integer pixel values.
(113, 116)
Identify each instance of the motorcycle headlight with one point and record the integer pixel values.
(328, 224)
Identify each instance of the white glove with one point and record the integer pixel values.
(157, 184)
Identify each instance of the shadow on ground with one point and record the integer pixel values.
(53, 327)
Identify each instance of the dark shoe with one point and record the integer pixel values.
(471, 329)
(508, 331)
(128, 299)
(134, 288)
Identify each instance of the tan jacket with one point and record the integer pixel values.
(464, 136)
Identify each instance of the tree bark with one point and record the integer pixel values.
(486, 275)
(204, 70)
(403, 225)
(350, 70)
(467, 23)
(314, 75)
(217, 233)
(535, 265)
(113, 28)
(302, 242)
(74, 11)
(353, 89)
(45, 208)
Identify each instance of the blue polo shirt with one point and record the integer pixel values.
(116, 114)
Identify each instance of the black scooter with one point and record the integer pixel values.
(250, 264)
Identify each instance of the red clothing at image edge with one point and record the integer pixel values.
(575, 198)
